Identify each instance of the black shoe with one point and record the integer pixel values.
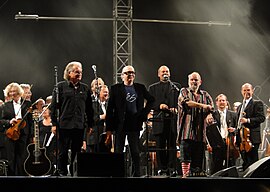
(173, 174)
(162, 172)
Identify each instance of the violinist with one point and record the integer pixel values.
(225, 154)
(13, 113)
(251, 119)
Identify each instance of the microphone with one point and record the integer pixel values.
(94, 67)
(166, 77)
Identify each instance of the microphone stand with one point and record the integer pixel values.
(147, 149)
(173, 121)
(97, 87)
(173, 85)
(98, 104)
(56, 172)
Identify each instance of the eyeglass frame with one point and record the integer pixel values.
(129, 73)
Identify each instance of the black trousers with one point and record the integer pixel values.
(133, 139)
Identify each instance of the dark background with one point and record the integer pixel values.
(225, 56)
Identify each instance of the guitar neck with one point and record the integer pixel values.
(36, 136)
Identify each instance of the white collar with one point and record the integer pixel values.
(17, 103)
(224, 111)
(247, 101)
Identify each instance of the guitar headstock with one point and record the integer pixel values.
(35, 115)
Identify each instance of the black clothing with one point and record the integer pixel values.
(219, 155)
(95, 141)
(164, 126)
(16, 149)
(128, 124)
(75, 110)
(44, 139)
(73, 104)
(255, 112)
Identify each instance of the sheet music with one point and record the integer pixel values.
(50, 139)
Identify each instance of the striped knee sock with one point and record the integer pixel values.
(185, 168)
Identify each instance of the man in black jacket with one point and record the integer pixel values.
(222, 124)
(15, 118)
(164, 126)
(128, 107)
(251, 119)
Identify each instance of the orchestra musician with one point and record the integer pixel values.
(223, 154)
(251, 120)
(95, 87)
(94, 140)
(16, 118)
(47, 135)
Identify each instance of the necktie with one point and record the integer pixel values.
(223, 125)
(103, 107)
(245, 105)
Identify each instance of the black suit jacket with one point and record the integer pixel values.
(115, 116)
(231, 120)
(8, 113)
(98, 124)
(255, 112)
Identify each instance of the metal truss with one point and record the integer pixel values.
(122, 31)
(122, 37)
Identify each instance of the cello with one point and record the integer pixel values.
(244, 132)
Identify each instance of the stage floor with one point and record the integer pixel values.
(149, 184)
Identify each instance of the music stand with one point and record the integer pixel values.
(157, 119)
(213, 136)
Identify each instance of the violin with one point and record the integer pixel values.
(14, 131)
(245, 143)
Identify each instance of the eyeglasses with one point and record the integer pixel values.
(129, 73)
(77, 72)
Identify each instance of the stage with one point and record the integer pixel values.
(91, 176)
(209, 184)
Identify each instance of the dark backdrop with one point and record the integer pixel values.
(226, 57)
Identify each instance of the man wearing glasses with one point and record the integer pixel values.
(128, 106)
(71, 109)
